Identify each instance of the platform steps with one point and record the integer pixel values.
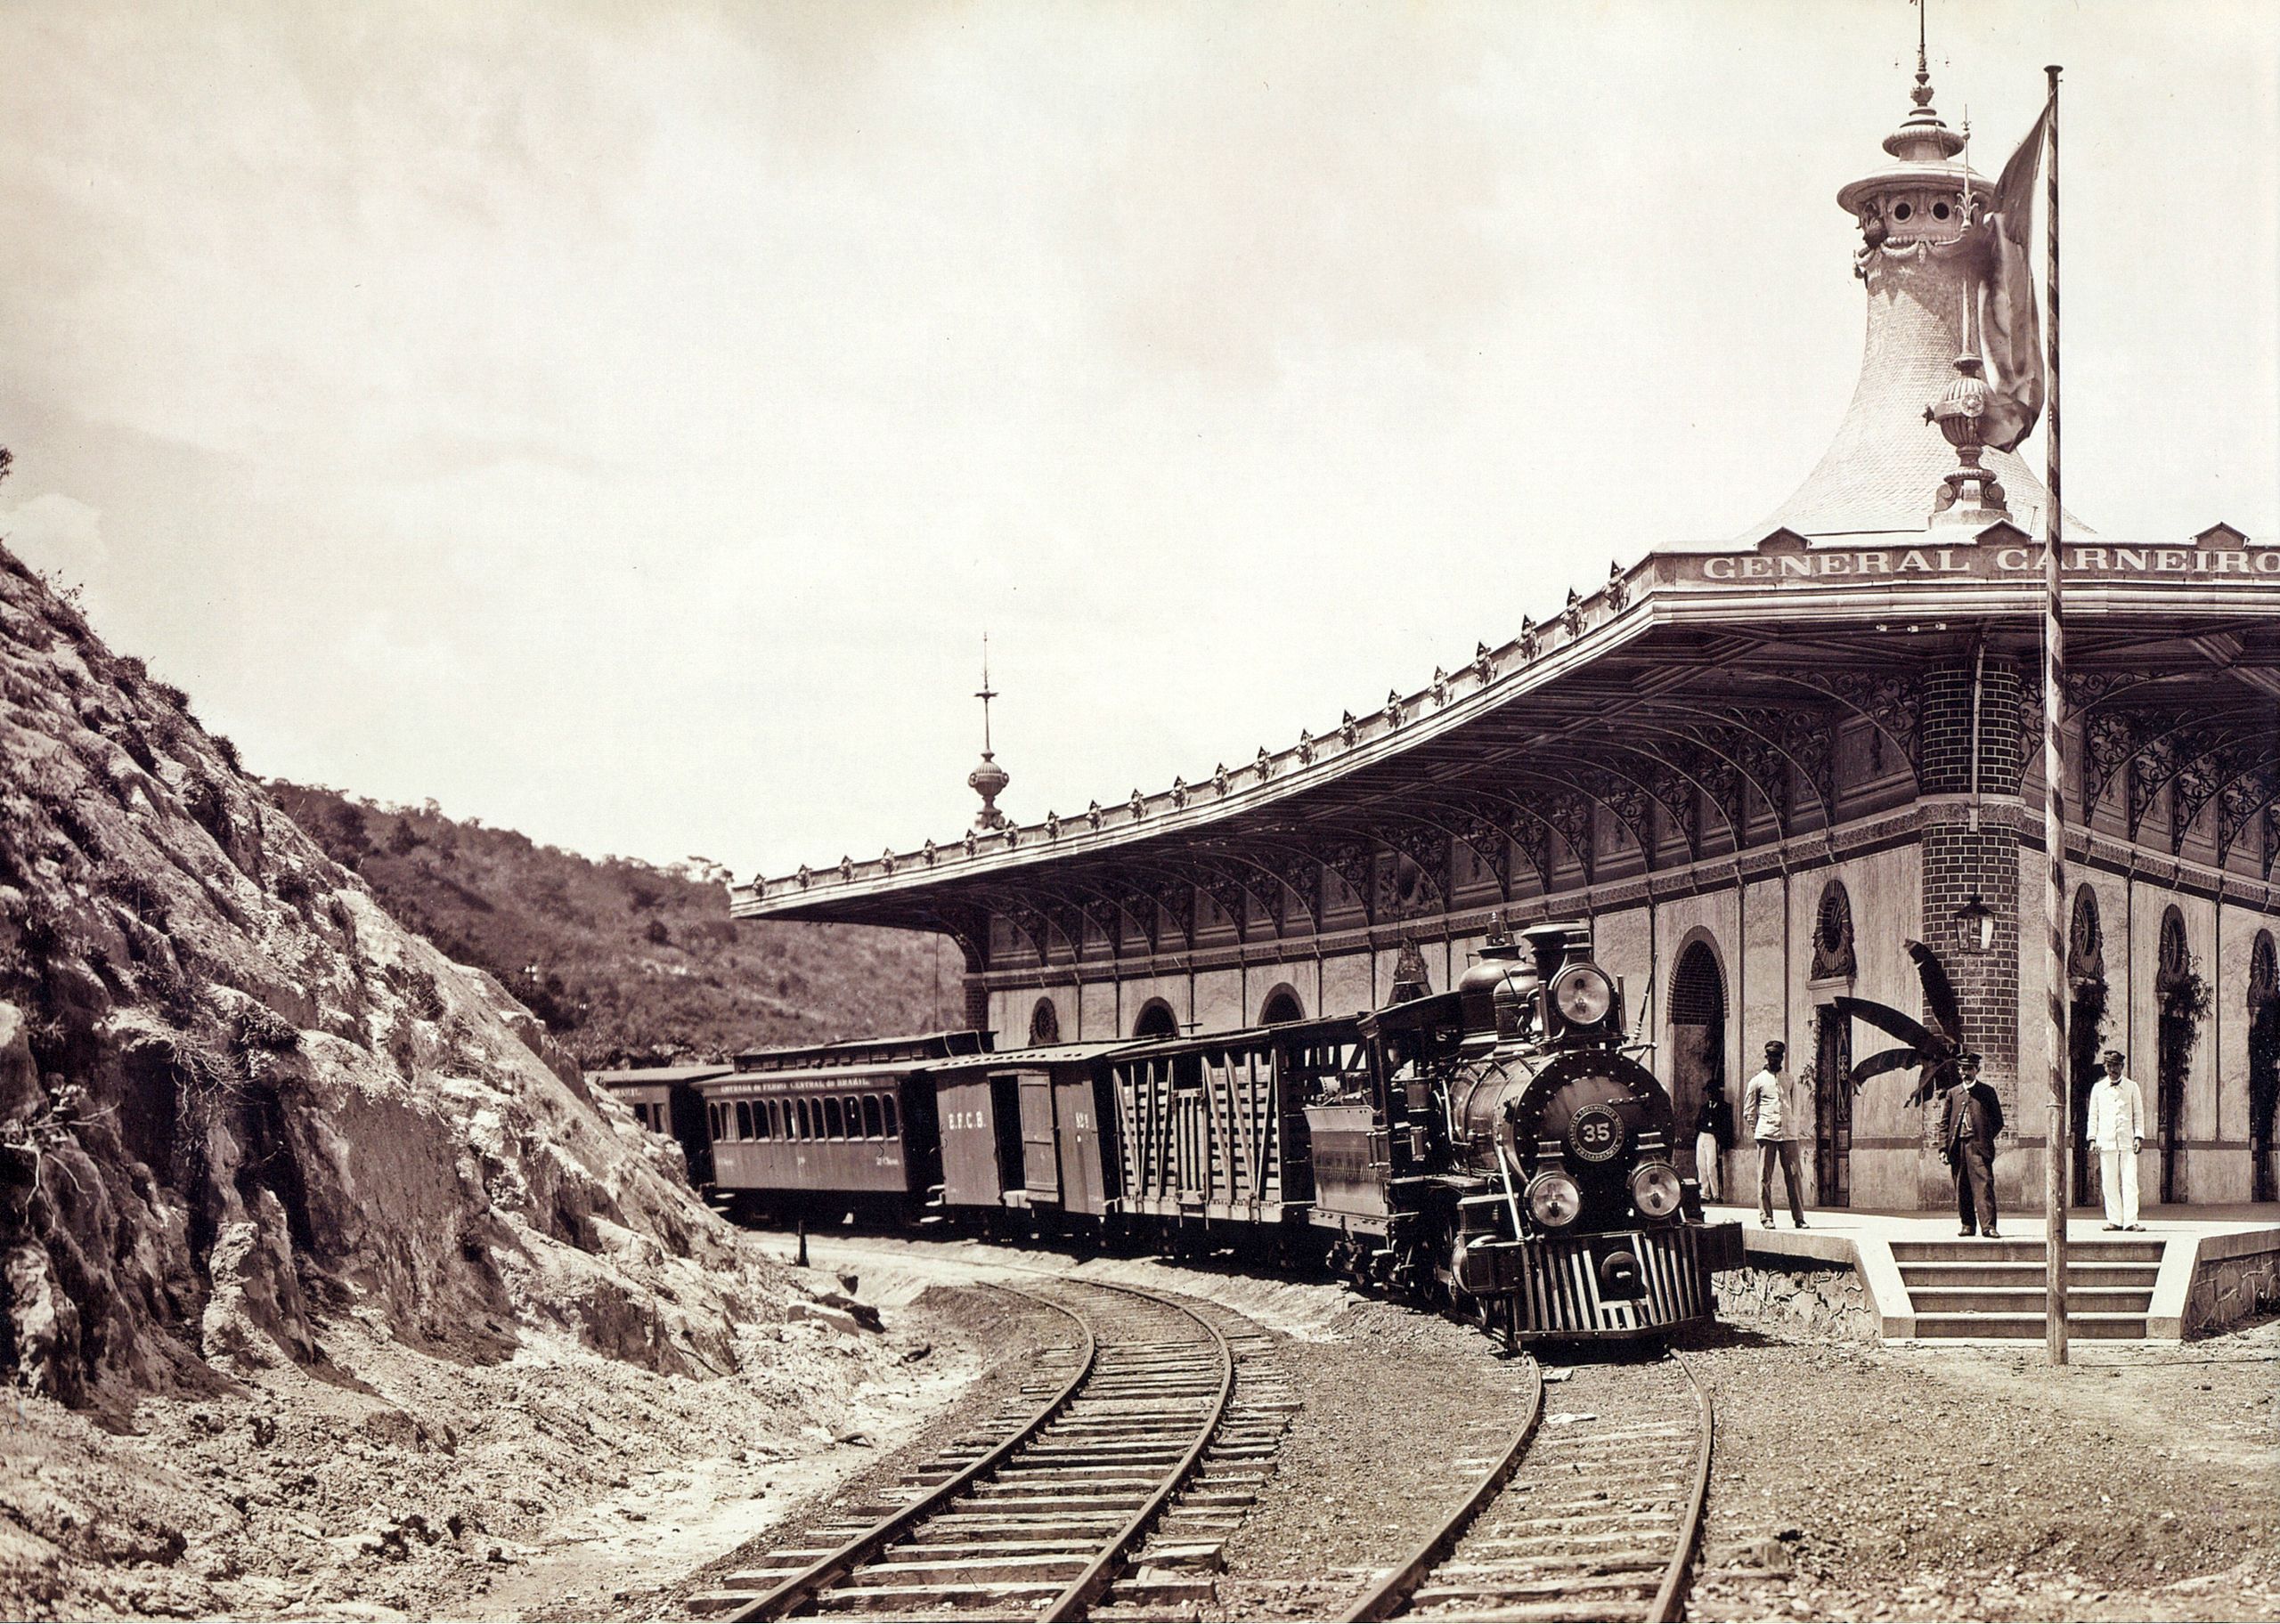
(1994, 1289)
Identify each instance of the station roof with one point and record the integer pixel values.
(1725, 672)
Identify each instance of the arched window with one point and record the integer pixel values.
(806, 1123)
(1156, 1020)
(1281, 1005)
(744, 1119)
(871, 1129)
(1044, 1023)
(2174, 956)
(833, 1127)
(1698, 988)
(2085, 941)
(887, 1112)
(1832, 934)
(759, 1122)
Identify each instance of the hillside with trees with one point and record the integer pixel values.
(625, 961)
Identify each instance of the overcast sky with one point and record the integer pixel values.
(621, 422)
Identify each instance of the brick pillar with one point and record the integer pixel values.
(977, 1004)
(1961, 861)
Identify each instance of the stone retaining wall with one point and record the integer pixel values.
(1827, 1305)
(2227, 1290)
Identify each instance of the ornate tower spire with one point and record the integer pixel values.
(987, 780)
(1920, 262)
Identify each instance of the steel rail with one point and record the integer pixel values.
(804, 1586)
(1088, 1585)
(1387, 1597)
(1670, 1599)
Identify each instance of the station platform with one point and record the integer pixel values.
(2190, 1270)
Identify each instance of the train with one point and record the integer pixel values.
(1497, 1151)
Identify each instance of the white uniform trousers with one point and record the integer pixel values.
(2118, 1179)
(1706, 1165)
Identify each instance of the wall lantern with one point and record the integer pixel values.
(1975, 925)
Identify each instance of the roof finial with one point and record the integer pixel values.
(1923, 92)
(1921, 137)
(987, 780)
(985, 694)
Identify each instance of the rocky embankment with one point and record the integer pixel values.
(258, 1141)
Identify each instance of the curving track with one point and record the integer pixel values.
(1593, 1510)
(1039, 1515)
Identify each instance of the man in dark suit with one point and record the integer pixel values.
(1970, 1118)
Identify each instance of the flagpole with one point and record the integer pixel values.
(2058, 1150)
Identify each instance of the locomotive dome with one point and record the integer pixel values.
(1754, 772)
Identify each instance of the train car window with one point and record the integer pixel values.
(854, 1118)
(871, 1129)
(886, 1110)
(713, 1120)
(831, 1118)
(776, 1119)
(744, 1119)
(761, 1125)
(800, 1114)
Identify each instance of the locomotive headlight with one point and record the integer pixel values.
(1554, 1200)
(1582, 994)
(1655, 1190)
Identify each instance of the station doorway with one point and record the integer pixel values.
(2085, 1033)
(1832, 1107)
(2175, 1038)
(1699, 1099)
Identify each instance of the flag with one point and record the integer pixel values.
(2010, 332)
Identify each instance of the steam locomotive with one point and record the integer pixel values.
(1495, 1151)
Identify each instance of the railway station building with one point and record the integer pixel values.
(1758, 771)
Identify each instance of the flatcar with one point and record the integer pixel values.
(1497, 1150)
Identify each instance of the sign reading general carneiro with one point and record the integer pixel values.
(2090, 560)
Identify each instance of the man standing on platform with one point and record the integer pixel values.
(1770, 1114)
(1971, 1119)
(2117, 1127)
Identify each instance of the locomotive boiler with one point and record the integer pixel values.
(1505, 1155)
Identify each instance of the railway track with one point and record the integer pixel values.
(1112, 1479)
(1593, 1510)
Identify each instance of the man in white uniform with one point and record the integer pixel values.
(2117, 1127)
(1770, 1114)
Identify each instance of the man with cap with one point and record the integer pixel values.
(2116, 1126)
(1971, 1116)
(1769, 1111)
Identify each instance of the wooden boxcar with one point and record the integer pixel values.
(1213, 1129)
(663, 1100)
(1028, 1128)
(844, 1124)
